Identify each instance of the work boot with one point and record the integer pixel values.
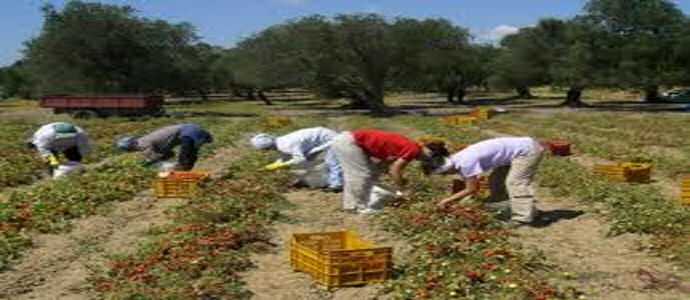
(512, 224)
(368, 211)
(333, 189)
(298, 184)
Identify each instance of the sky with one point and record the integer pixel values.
(224, 22)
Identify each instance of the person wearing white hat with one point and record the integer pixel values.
(300, 146)
(514, 161)
(60, 138)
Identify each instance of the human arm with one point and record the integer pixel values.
(396, 171)
(471, 187)
(83, 143)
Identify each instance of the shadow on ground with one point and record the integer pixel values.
(547, 218)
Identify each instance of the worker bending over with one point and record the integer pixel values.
(363, 153)
(514, 161)
(301, 146)
(58, 138)
(158, 145)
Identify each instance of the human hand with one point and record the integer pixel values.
(444, 204)
(53, 161)
(275, 166)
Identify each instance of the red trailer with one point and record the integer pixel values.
(105, 106)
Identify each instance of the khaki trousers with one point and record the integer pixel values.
(359, 172)
(517, 179)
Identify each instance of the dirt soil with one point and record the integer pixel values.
(604, 267)
(59, 264)
(314, 211)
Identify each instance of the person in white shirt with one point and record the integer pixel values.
(514, 160)
(58, 138)
(303, 145)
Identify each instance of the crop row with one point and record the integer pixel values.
(629, 208)
(200, 253)
(462, 252)
(612, 138)
(20, 165)
(50, 206)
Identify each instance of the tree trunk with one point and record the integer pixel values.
(236, 93)
(250, 95)
(652, 94)
(450, 95)
(524, 92)
(461, 93)
(263, 98)
(574, 97)
(204, 95)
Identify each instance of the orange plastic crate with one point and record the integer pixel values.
(559, 147)
(685, 191)
(483, 113)
(179, 184)
(460, 120)
(625, 172)
(337, 259)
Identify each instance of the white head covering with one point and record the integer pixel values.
(263, 141)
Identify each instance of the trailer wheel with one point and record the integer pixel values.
(84, 114)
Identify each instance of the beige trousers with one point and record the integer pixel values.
(517, 180)
(360, 174)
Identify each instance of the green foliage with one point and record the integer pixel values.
(461, 252)
(642, 34)
(631, 208)
(15, 81)
(100, 48)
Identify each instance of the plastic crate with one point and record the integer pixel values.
(179, 184)
(430, 139)
(625, 172)
(685, 190)
(559, 147)
(484, 187)
(460, 120)
(483, 113)
(338, 259)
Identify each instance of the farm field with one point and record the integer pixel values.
(104, 235)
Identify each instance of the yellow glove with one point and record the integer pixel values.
(53, 161)
(275, 166)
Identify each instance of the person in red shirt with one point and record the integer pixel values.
(360, 152)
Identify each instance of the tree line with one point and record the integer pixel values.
(101, 48)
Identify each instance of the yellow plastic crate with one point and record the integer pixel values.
(685, 191)
(430, 139)
(483, 113)
(460, 120)
(625, 172)
(276, 122)
(179, 184)
(338, 259)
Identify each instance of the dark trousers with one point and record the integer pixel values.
(188, 154)
(72, 154)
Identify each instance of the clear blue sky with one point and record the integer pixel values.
(223, 22)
